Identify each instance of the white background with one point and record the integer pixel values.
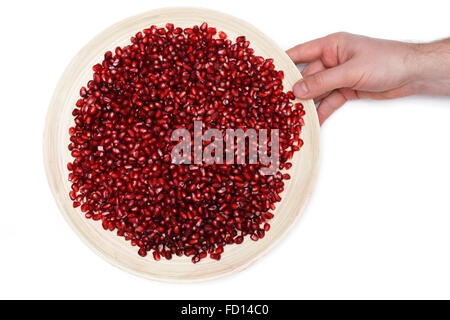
(377, 226)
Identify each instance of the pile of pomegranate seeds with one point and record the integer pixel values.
(167, 78)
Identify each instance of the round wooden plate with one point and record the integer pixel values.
(115, 249)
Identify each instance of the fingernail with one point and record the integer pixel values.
(300, 89)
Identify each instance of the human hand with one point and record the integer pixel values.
(345, 66)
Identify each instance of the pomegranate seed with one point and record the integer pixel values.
(167, 78)
(156, 255)
(142, 252)
(214, 256)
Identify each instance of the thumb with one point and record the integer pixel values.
(324, 81)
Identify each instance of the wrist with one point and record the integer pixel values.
(430, 68)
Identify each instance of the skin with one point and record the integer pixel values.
(344, 66)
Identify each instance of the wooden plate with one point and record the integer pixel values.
(115, 249)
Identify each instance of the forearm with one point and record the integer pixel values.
(431, 68)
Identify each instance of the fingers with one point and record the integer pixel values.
(321, 97)
(349, 94)
(314, 85)
(312, 68)
(384, 95)
(308, 51)
(330, 104)
(322, 48)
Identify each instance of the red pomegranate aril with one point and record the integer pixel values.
(286, 176)
(170, 26)
(156, 255)
(215, 256)
(120, 141)
(211, 31)
(261, 233)
(142, 252)
(203, 26)
(238, 240)
(219, 250)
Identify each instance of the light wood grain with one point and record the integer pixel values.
(115, 249)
